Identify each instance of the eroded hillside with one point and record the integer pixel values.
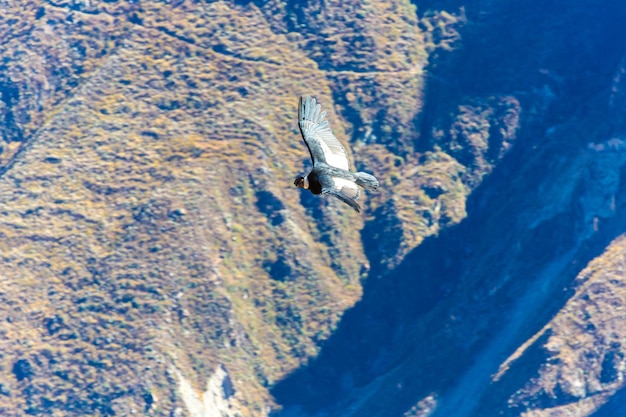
(151, 236)
(516, 310)
(157, 260)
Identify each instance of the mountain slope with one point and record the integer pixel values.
(157, 259)
(430, 337)
(152, 239)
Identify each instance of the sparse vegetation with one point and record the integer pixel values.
(148, 220)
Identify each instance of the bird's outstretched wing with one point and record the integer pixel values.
(323, 145)
(345, 190)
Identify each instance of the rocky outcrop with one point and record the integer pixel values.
(216, 401)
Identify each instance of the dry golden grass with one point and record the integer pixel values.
(584, 345)
(148, 194)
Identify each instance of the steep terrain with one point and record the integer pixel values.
(155, 253)
(157, 260)
(489, 317)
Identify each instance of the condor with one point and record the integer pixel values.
(331, 167)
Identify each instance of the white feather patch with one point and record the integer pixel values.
(346, 187)
(335, 157)
(315, 128)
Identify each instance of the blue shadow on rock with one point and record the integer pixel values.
(507, 48)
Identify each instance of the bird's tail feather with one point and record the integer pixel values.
(367, 181)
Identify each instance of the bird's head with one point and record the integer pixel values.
(301, 182)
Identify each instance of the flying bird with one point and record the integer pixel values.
(331, 167)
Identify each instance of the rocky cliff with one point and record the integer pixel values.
(157, 260)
